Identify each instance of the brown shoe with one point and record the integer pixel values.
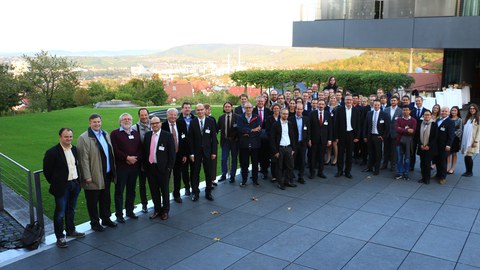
(442, 181)
(164, 216)
(154, 215)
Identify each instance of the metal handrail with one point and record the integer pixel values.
(38, 198)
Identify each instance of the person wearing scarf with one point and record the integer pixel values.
(427, 145)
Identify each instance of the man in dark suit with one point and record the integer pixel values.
(445, 136)
(283, 149)
(263, 113)
(186, 117)
(249, 128)
(227, 126)
(203, 149)
(178, 129)
(376, 129)
(346, 132)
(240, 109)
(417, 113)
(159, 149)
(361, 151)
(302, 135)
(321, 128)
(427, 145)
(389, 145)
(60, 167)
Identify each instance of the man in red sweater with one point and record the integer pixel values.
(406, 127)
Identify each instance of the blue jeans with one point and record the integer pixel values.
(403, 161)
(229, 147)
(65, 208)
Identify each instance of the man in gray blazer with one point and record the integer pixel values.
(389, 155)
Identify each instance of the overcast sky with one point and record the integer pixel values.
(87, 25)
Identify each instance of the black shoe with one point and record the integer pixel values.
(311, 175)
(338, 174)
(178, 200)
(132, 215)
(363, 163)
(109, 223)
(187, 192)
(467, 174)
(280, 186)
(75, 234)
(214, 184)
(243, 184)
(301, 181)
(367, 170)
(421, 181)
(348, 175)
(232, 180)
(223, 178)
(255, 183)
(62, 243)
(209, 197)
(97, 227)
(120, 220)
(321, 175)
(376, 173)
(195, 197)
(265, 176)
(384, 166)
(144, 208)
(290, 185)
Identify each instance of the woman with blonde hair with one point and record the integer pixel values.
(331, 106)
(470, 138)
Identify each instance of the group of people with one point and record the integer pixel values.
(282, 133)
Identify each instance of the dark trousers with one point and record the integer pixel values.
(357, 150)
(264, 158)
(300, 158)
(65, 208)
(187, 173)
(363, 151)
(229, 148)
(247, 155)
(389, 154)
(318, 157)
(159, 183)
(413, 156)
(345, 150)
(142, 185)
(375, 152)
(425, 163)
(177, 175)
(441, 162)
(98, 203)
(126, 178)
(285, 164)
(207, 169)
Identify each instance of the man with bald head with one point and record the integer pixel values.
(445, 136)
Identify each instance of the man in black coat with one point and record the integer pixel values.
(159, 150)
(178, 129)
(227, 127)
(321, 128)
(375, 131)
(60, 167)
(186, 117)
(302, 135)
(263, 113)
(445, 136)
(346, 132)
(249, 128)
(203, 149)
(417, 113)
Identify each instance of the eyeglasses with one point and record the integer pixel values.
(248, 107)
(155, 123)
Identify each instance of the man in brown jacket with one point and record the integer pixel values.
(97, 168)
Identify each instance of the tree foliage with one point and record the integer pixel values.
(362, 82)
(10, 90)
(53, 78)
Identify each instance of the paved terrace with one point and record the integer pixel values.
(363, 223)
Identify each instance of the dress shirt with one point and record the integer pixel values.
(72, 169)
(156, 144)
(299, 126)
(440, 121)
(104, 144)
(392, 112)
(374, 122)
(285, 139)
(187, 119)
(348, 116)
(419, 111)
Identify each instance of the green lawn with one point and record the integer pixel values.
(25, 138)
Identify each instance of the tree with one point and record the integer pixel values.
(155, 92)
(10, 92)
(50, 75)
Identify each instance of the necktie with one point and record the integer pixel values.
(201, 126)
(175, 139)
(151, 157)
(228, 126)
(374, 126)
(261, 115)
(321, 119)
(418, 113)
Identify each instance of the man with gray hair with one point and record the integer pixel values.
(127, 148)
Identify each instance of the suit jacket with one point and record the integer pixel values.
(432, 140)
(182, 136)
(276, 136)
(165, 151)
(305, 128)
(55, 169)
(238, 110)
(398, 113)
(383, 124)
(247, 137)
(205, 143)
(413, 113)
(268, 126)
(180, 117)
(340, 128)
(321, 134)
(232, 131)
(266, 113)
(446, 133)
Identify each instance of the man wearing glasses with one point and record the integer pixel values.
(249, 128)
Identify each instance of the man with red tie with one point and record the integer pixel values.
(321, 124)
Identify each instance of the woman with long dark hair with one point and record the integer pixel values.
(452, 157)
(470, 138)
(331, 83)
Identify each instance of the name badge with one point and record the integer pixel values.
(161, 148)
(407, 127)
(331, 114)
(304, 128)
(382, 121)
(396, 117)
(183, 136)
(130, 137)
(234, 125)
(421, 118)
(442, 128)
(207, 131)
(326, 123)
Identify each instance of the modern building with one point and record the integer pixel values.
(450, 25)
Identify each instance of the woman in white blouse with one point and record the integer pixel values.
(471, 136)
